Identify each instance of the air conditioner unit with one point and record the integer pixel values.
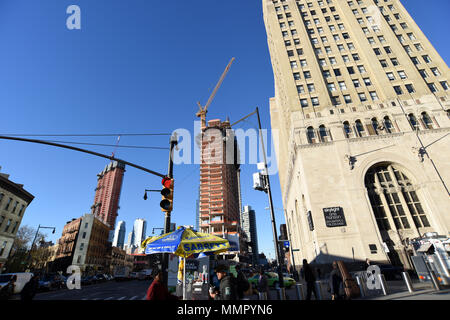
(258, 182)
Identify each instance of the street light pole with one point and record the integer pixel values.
(272, 215)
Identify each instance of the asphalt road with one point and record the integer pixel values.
(110, 290)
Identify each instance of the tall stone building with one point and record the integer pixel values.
(14, 200)
(119, 235)
(107, 193)
(362, 109)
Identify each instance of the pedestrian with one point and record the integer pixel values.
(158, 290)
(367, 264)
(308, 275)
(242, 283)
(319, 273)
(334, 282)
(227, 289)
(29, 290)
(263, 286)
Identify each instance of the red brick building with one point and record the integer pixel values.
(219, 210)
(107, 193)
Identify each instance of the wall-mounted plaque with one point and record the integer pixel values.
(334, 217)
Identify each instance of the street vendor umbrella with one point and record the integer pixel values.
(185, 243)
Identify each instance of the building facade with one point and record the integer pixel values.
(107, 193)
(219, 193)
(119, 235)
(14, 200)
(66, 245)
(92, 251)
(362, 109)
(248, 223)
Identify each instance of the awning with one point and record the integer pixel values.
(424, 247)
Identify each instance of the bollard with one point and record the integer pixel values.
(383, 284)
(299, 289)
(262, 295)
(319, 290)
(361, 286)
(408, 282)
(435, 281)
(281, 293)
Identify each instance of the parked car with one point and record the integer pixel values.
(272, 280)
(133, 275)
(87, 280)
(22, 279)
(99, 278)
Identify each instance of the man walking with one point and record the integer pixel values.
(308, 275)
(263, 286)
(242, 283)
(335, 282)
(228, 290)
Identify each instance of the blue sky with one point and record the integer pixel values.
(136, 66)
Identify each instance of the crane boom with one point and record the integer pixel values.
(203, 110)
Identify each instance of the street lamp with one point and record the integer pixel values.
(34, 240)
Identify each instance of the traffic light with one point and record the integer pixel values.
(167, 195)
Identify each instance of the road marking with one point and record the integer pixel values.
(110, 298)
(121, 298)
(96, 299)
(143, 298)
(132, 298)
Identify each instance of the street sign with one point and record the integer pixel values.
(286, 244)
(295, 250)
(310, 221)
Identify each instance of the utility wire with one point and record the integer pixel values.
(108, 145)
(87, 135)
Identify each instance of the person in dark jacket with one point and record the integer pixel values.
(158, 290)
(228, 290)
(242, 283)
(30, 288)
(308, 275)
(335, 282)
(263, 285)
(8, 290)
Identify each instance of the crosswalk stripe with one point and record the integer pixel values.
(132, 298)
(110, 298)
(121, 298)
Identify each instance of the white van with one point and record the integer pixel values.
(22, 279)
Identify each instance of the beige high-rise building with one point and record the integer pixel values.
(362, 109)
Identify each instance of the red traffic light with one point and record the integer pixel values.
(167, 182)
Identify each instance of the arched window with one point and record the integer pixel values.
(448, 113)
(323, 133)
(359, 128)
(375, 126)
(347, 129)
(383, 183)
(413, 122)
(388, 125)
(311, 133)
(427, 120)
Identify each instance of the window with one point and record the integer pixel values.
(432, 87)
(444, 85)
(359, 128)
(21, 210)
(296, 76)
(356, 83)
(413, 122)
(303, 63)
(300, 89)
(367, 82)
(337, 72)
(361, 69)
(304, 102)
(8, 225)
(307, 74)
(1, 197)
(294, 65)
(426, 58)
(331, 87)
(394, 62)
(383, 63)
(315, 101)
(402, 75)
(351, 70)
(388, 50)
(311, 135)
(347, 98)
(398, 90)
(84, 235)
(9, 202)
(388, 125)
(342, 85)
(15, 206)
(435, 71)
(362, 97)
(410, 88)
(427, 120)
(15, 227)
(390, 76)
(323, 133)
(374, 95)
(82, 246)
(311, 88)
(86, 225)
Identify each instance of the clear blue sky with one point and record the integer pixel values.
(137, 66)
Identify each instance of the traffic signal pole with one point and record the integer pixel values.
(272, 215)
(165, 256)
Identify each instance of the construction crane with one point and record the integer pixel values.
(115, 148)
(203, 110)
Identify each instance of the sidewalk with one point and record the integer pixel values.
(422, 291)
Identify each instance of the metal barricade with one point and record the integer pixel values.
(281, 293)
(383, 284)
(361, 286)
(408, 282)
(262, 295)
(299, 290)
